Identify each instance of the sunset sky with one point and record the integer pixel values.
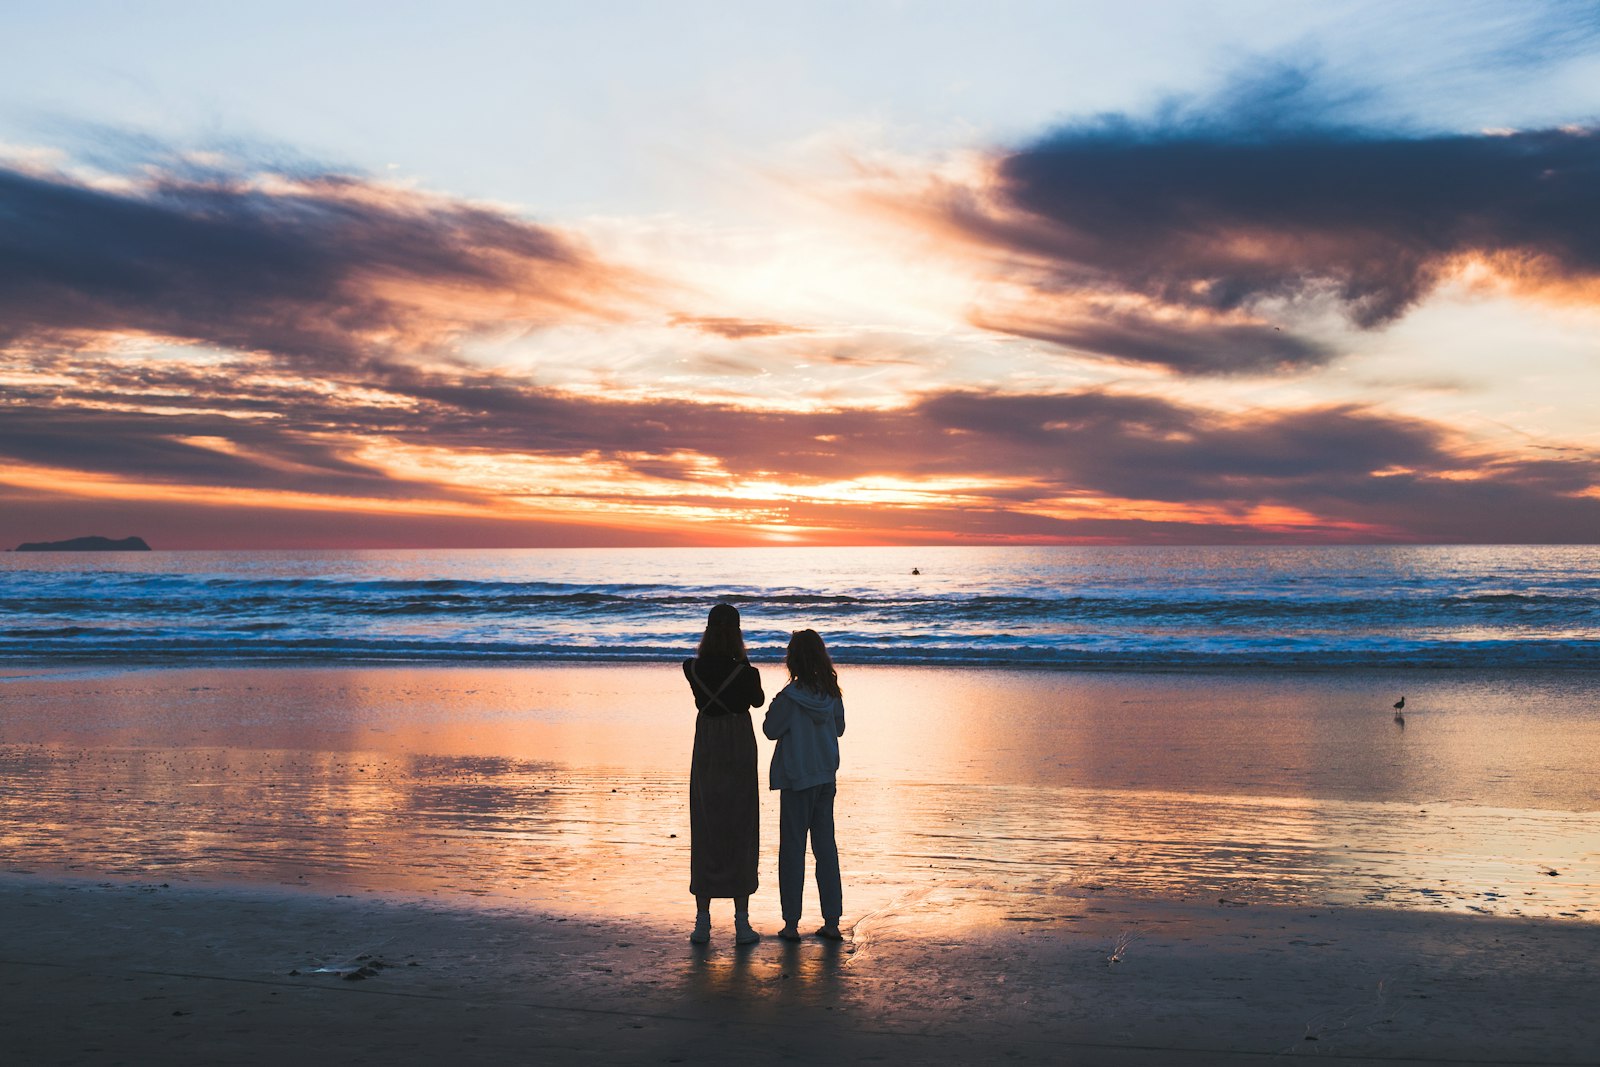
(513, 274)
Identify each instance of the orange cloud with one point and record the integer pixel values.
(736, 329)
(406, 445)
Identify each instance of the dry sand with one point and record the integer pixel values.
(100, 973)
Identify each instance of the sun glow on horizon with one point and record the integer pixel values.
(1212, 298)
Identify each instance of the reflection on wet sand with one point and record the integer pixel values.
(799, 975)
(509, 830)
(568, 786)
(1510, 740)
(1032, 863)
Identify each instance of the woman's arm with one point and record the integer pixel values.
(752, 687)
(838, 717)
(688, 676)
(776, 724)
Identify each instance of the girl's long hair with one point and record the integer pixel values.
(809, 664)
(723, 636)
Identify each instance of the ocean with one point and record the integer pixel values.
(1210, 723)
(1124, 608)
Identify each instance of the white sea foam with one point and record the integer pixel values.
(1125, 608)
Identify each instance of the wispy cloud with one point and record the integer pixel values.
(736, 329)
(952, 465)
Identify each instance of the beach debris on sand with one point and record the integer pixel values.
(353, 969)
(1120, 946)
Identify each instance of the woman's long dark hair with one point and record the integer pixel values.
(809, 664)
(723, 636)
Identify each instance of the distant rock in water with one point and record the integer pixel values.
(87, 544)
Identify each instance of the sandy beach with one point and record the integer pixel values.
(1039, 867)
(128, 973)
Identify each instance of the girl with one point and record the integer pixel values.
(806, 720)
(724, 808)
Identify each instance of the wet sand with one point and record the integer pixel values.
(120, 973)
(1275, 866)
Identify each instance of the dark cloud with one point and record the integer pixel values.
(1186, 347)
(1143, 448)
(328, 269)
(1226, 218)
(202, 449)
(1259, 204)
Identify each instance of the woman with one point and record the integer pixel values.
(724, 798)
(806, 720)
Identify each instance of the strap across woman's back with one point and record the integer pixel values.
(714, 695)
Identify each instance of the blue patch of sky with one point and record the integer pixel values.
(611, 107)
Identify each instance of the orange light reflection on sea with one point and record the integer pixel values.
(566, 786)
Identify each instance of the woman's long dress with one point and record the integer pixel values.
(724, 792)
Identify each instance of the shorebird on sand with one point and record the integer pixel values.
(1399, 705)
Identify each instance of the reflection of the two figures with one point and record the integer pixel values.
(775, 973)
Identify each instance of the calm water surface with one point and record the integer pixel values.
(569, 783)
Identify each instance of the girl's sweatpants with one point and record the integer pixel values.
(802, 812)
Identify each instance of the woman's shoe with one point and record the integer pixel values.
(744, 933)
(789, 933)
(830, 931)
(702, 929)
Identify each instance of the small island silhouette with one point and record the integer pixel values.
(86, 544)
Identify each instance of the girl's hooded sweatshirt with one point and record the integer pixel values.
(807, 726)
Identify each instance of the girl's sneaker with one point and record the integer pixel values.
(702, 929)
(743, 932)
